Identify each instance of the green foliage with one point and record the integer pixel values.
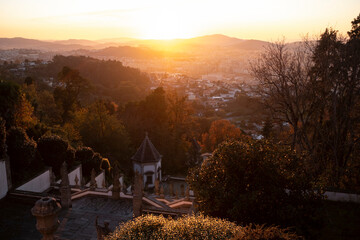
(71, 85)
(261, 172)
(104, 133)
(189, 227)
(54, 151)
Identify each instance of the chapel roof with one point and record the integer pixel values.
(147, 152)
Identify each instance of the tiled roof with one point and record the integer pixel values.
(146, 152)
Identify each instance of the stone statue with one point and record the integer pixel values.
(102, 231)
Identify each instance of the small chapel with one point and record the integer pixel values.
(147, 161)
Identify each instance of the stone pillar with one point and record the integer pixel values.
(162, 195)
(93, 184)
(171, 187)
(157, 183)
(182, 190)
(65, 189)
(46, 210)
(138, 195)
(187, 194)
(116, 184)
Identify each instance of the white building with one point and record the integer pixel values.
(147, 161)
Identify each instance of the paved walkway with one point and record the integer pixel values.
(79, 221)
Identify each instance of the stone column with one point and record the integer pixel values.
(116, 184)
(138, 195)
(65, 189)
(46, 210)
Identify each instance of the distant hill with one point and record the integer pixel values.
(127, 47)
(10, 43)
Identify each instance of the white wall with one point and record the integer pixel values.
(37, 184)
(137, 167)
(3, 180)
(342, 197)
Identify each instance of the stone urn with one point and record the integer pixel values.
(46, 210)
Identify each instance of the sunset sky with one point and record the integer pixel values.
(158, 19)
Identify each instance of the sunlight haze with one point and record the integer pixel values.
(260, 19)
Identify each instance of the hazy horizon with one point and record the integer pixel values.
(92, 20)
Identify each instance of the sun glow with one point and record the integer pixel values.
(164, 19)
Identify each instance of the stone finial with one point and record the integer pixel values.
(182, 190)
(65, 189)
(157, 183)
(187, 194)
(76, 181)
(138, 194)
(116, 184)
(103, 184)
(162, 195)
(93, 184)
(46, 210)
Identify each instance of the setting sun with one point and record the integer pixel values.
(264, 20)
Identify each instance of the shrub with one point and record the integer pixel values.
(260, 232)
(194, 227)
(54, 151)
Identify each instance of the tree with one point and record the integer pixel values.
(286, 88)
(220, 130)
(71, 85)
(246, 181)
(315, 89)
(104, 133)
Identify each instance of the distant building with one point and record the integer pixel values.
(147, 161)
